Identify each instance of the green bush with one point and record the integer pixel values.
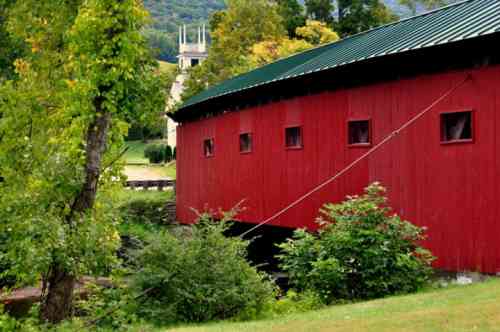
(155, 153)
(158, 153)
(7, 324)
(108, 308)
(361, 251)
(174, 154)
(168, 153)
(200, 277)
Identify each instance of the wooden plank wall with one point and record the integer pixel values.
(451, 189)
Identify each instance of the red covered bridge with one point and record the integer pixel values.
(272, 135)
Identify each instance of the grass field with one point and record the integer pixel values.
(459, 308)
(167, 67)
(135, 153)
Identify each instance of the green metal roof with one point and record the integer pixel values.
(460, 21)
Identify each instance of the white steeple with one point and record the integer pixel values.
(192, 54)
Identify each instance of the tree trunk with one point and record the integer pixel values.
(58, 304)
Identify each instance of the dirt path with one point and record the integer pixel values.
(138, 173)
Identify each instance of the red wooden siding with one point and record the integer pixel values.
(450, 188)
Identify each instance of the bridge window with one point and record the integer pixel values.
(293, 137)
(359, 132)
(245, 142)
(456, 127)
(208, 147)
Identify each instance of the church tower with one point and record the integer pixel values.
(190, 55)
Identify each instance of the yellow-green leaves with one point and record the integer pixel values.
(79, 51)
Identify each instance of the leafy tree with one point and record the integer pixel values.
(293, 15)
(355, 16)
(320, 10)
(235, 30)
(314, 33)
(429, 4)
(63, 120)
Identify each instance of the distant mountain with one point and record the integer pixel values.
(168, 15)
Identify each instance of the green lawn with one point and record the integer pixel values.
(459, 308)
(135, 153)
(167, 67)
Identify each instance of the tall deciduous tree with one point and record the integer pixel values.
(314, 33)
(320, 10)
(355, 16)
(293, 15)
(234, 32)
(429, 4)
(61, 130)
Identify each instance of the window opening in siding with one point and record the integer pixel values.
(208, 147)
(456, 127)
(245, 143)
(359, 132)
(293, 137)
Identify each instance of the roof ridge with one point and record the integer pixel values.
(360, 33)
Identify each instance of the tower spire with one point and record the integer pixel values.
(204, 38)
(180, 37)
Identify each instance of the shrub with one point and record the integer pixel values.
(158, 153)
(155, 153)
(201, 277)
(174, 154)
(7, 324)
(360, 252)
(107, 308)
(168, 153)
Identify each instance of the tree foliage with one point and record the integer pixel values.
(314, 33)
(355, 16)
(320, 10)
(362, 251)
(234, 31)
(429, 4)
(293, 15)
(10, 46)
(89, 71)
